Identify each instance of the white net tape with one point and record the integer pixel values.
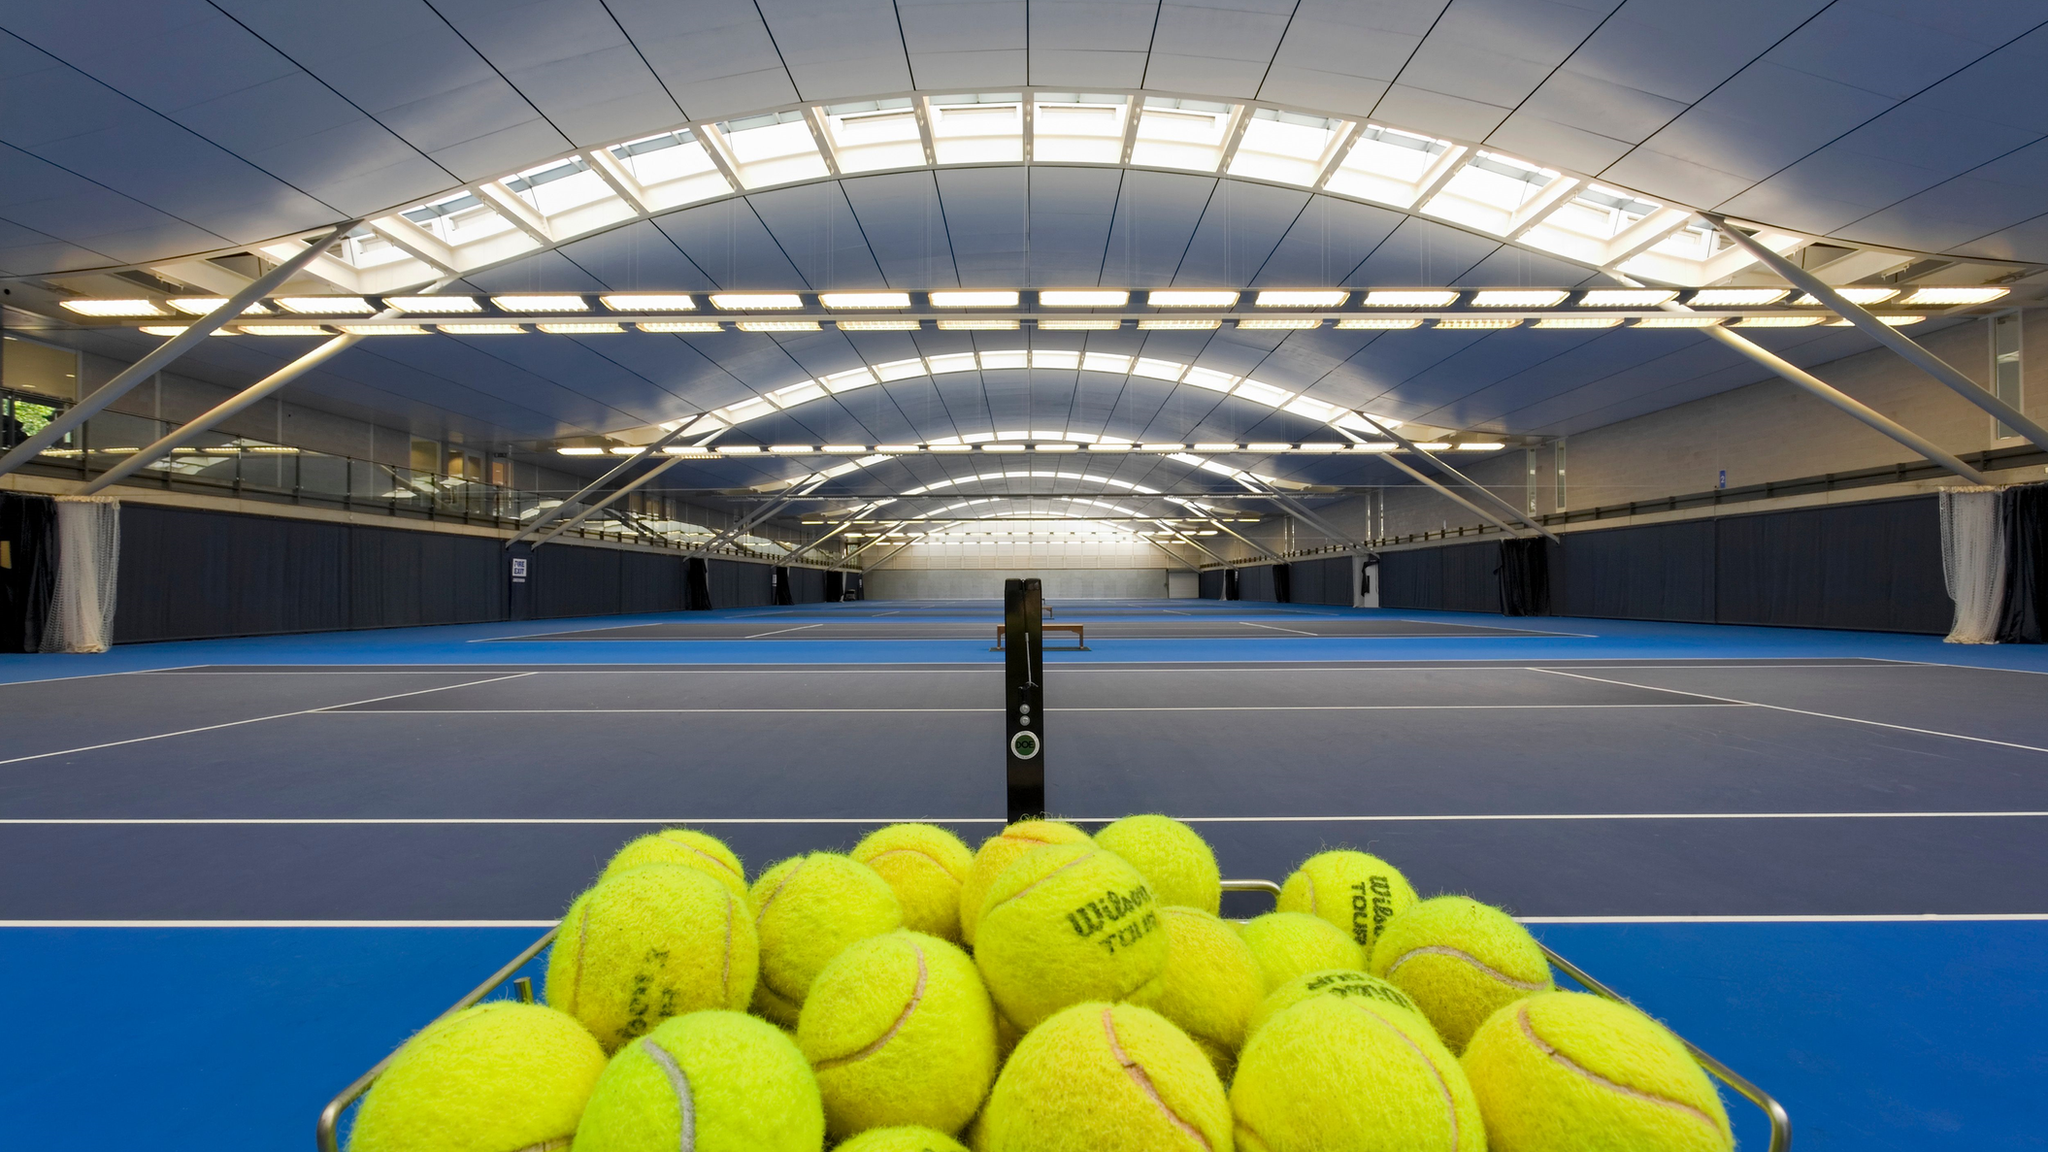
(88, 568)
(1973, 562)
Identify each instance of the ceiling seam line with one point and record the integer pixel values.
(774, 44)
(1151, 45)
(644, 62)
(1259, 89)
(1410, 58)
(488, 63)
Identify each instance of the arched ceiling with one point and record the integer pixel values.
(138, 132)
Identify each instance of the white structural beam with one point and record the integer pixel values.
(623, 466)
(614, 174)
(165, 353)
(1388, 431)
(1482, 513)
(522, 215)
(1553, 196)
(1911, 352)
(415, 242)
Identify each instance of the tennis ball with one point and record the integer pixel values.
(1068, 924)
(999, 852)
(1352, 1074)
(1570, 1072)
(806, 909)
(1291, 944)
(1335, 982)
(1174, 861)
(1107, 1078)
(924, 865)
(901, 1140)
(495, 1075)
(651, 943)
(1460, 960)
(709, 1082)
(685, 846)
(1355, 891)
(899, 1031)
(1212, 983)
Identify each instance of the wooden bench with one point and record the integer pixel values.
(1080, 636)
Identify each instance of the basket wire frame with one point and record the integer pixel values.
(330, 1116)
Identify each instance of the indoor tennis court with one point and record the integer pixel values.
(1586, 464)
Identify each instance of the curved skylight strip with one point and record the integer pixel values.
(1174, 371)
(469, 230)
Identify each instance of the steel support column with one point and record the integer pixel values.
(622, 467)
(1477, 487)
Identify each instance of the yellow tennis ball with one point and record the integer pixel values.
(1107, 1078)
(685, 846)
(1460, 960)
(1570, 1072)
(1291, 944)
(999, 852)
(1353, 890)
(1177, 863)
(901, 1140)
(708, 1082)
(496, 1075)
(1352, 1074)
(1068, 924)
(650, 943)
(1340, 983)
(925, 865)
(1212, 983)
(806, 909)
(900, 1031)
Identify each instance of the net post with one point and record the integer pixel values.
(1024, 698)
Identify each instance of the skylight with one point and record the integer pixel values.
(1286, 146)
(869, 135)
(1175, 133)
(774, 148)
(978, 129)
(1078, 128)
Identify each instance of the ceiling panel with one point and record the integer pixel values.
(1156, 216)
(1342, 54)
(1987, 199)
(1072, 210)
(572, 61)
(1090, 42)
(1241, 226)
(1421, 252)
(838, 48)
(637, 257)
(41, 196)
(816, 229)
(728, 241)
(971, 44)
(715, 60)
(905, 224)
(1217, 48)
(986, 212)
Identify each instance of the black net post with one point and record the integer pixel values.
(1024, 697)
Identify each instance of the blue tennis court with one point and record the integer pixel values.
(1815, 854)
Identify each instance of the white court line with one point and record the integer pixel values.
(1455, 818)
(254, 720)
(97, 675)
(1275, 627)
(277, 923)
(1799, 711)
(344, 710)
(780, 631)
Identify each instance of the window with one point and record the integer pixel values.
(1557, 469)
(2005, 367)
(40, 368)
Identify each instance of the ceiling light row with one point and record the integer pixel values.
(652, 302)
(1263, 449)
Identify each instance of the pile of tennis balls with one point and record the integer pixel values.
(1050, 992)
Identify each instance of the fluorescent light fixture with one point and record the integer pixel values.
(648, 302)
(737, 449)
(434, 305)
(325, 305)
(1160, 324)
(1518, 298)
(114, 308)
(1319, 447)
(1357, 322)
(1579, 322)
(383, 329)
(582, 328)
(1081, 324)
(1777, 321)
(1434, 446)
(1282, 322)
(1002, 447)
(163, 329)
(864, 299)
(1301, 298)
(284, 330)
(1004, 298)
(680, 326)
(541, 302)
(1218, 447)
(1478, 446)
(1374, 446)
(480, 328)
(789, 449)
(1737, 297)
(1852, 295)
(579, 451)
(1055, 447)
(1163, 447)
(1083, 297)
(898, 449)
(949, 447)
(1269, 449)
(1625, 297)
(779, 326)
(1110, 447)
(1190, 298)
(846, 449)
(879, 325)
(201, 305)
(1894, 321)
(977, 325)
(1935, 297)
(1478, 322)
(625, 450)
(756, 301)
(1408, 298)
(1678, 322)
